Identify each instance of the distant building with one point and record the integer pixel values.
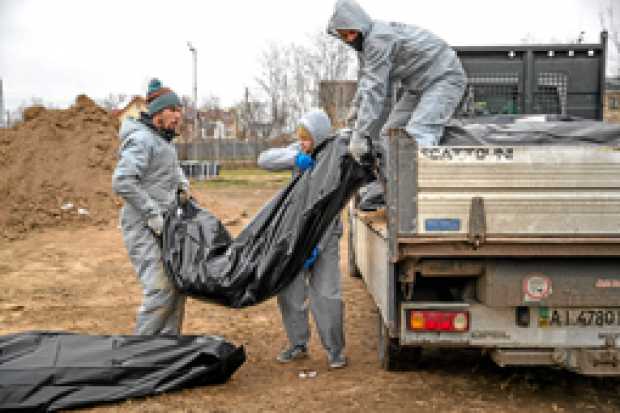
(611, 109)
(260, 130)
(218, 124)
(335, 99)
(132, 110)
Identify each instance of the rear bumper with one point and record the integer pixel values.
(591, 362)
(586, 350)
(496, 328)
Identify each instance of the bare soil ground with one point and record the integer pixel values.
(80, 279)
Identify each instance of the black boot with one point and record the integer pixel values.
(373, 198)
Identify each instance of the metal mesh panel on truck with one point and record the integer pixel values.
(550, 96)
(492, 94)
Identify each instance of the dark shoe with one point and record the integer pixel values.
(337, 361)
(292, 353)
(374, 198)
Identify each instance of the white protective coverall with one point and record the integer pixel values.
(147, 177)
(321, 284)
(424, 64)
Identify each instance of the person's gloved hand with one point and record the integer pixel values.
(156, 224)
(352, 115)
(183, 196)
(304, 161)
(358, 146)
(312, 259)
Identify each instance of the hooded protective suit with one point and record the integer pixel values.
(147, 177)
(323, 279)
(423, 63)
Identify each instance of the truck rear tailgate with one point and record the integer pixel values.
(552, 282)
(526, 190)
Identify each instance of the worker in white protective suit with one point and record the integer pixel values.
(394, 53)
(319, 281)
(148, 178)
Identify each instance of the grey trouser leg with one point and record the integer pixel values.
(162, 306)
(426, 121)
(326, 298)
(323, 291)
(294, 310)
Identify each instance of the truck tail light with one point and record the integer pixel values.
(455, 321)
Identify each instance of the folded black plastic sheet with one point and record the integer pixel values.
(47, 371)
(205, 262)
(530, 130)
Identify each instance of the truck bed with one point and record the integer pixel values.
(510, 199)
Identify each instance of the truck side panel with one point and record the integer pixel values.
(371, 255)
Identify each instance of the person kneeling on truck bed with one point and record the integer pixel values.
(391, 53)
(148, 177)
(320, 279)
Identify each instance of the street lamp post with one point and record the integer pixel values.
(195, 90)
(195, 84)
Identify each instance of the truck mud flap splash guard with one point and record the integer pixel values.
(48, 371)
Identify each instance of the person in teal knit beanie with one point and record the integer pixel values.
(149, 179)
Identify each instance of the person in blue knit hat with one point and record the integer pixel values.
(148, 177)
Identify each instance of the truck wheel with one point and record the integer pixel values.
(352, 268)
(393, 357)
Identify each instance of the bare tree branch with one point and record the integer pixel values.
(608, 19)
(291, 75)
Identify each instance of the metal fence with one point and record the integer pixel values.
(200, 170)
(221, 150)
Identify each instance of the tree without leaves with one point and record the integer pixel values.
(291, 76)
(113, 101)
(610, 21)
(210, 102)
(274, 65)
(251, 113)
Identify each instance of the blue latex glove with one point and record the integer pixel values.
(303, 161)
(312, 259)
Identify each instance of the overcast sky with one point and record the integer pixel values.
(57, 49)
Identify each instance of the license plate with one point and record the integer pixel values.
(582, 317)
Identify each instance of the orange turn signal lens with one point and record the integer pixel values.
(417, 320)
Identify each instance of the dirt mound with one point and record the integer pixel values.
(56, 168)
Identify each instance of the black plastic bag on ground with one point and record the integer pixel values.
(47, 371)
(205, 262)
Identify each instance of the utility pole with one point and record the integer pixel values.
(247, 115)
(194, 52)
(249, 126)
(195, 85)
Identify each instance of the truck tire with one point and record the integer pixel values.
(352, 268)
(393, 357)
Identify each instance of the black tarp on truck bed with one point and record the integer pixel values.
(533, 130)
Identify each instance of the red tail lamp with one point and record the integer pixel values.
(454, 321)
